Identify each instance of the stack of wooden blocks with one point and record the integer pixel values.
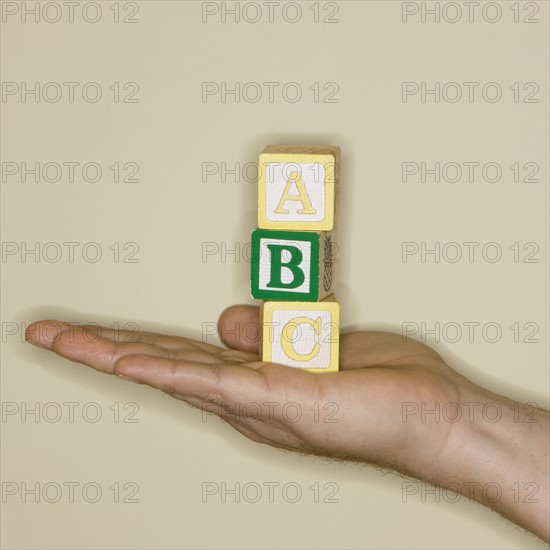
(293, 256)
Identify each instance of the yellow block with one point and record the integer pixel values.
(302, 335)
(298, 187)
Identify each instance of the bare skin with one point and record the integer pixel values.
(376, 402)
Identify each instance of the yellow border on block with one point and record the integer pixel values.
(326, 305)
(299, 158)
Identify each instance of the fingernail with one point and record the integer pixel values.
(40, 336)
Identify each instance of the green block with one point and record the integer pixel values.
(292, 265)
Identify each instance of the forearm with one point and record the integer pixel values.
(499, 457)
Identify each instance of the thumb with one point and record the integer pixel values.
(239, 328)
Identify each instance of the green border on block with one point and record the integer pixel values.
(279, 295)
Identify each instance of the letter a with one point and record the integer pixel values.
(307, 207)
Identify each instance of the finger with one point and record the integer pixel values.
(220, 384)
(167, 341)
(239, 328)
(41, 333)
(44, 333)
(225, 387)
(75, 343)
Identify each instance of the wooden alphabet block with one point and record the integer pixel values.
(303, 335)
(298, 188)
(292, 265)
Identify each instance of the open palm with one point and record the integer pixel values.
(356, 413)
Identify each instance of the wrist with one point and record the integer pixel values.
(497, 454)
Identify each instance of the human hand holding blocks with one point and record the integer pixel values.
(293, 256)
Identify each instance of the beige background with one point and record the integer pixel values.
(170, 213)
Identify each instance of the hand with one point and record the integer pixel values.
(362, 413)
(359, 409)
